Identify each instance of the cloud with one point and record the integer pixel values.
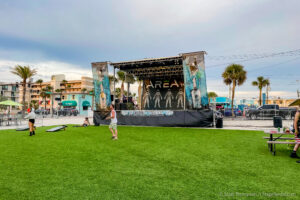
(44, 70)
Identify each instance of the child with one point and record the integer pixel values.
(113, 122)
(86, 122)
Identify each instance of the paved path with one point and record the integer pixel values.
(228, 123)
(48, 122)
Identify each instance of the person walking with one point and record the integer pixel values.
(31, 121)
(113, 122)
(297, 136)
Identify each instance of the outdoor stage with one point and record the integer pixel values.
(173, 91)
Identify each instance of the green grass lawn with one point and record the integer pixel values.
(145, 163)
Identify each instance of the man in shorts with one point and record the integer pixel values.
(297, 136)
(113, 122)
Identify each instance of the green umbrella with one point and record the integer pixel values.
(295, 103)
(10, 103)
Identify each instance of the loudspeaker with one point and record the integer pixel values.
(123, 106)
(277, 121)
(219, 123)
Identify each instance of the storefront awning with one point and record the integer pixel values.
(69, 103)
(86, 103)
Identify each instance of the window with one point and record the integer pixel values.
(63, 97)
(83, 96)
(73, 97)
(14, 88)
(4, 87)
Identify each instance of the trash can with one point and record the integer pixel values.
(219, 123)
(277, 121)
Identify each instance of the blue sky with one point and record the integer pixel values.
(66, 36)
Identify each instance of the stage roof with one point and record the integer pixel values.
(155, 67)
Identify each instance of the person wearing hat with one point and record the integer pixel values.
(31, 121)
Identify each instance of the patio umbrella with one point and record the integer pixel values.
(10, 103)
(295, 103)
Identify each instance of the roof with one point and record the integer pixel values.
(149, 62)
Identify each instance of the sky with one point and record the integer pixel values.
(65, 36)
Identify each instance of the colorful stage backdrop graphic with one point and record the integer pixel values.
(195, 80)
(159, 94)
(101, 85)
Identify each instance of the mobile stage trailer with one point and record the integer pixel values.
(173, 91)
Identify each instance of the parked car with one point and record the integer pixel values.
(228, 112)
(269, 111)
(42, 112)
(67, 112)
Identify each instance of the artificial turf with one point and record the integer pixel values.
(145, 163)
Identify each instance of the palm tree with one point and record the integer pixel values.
(112, 80)
(67, 87)
(140, 81)
(50, 90)
(44, 94)
(121, 77)
(212, 95)
(39, 81)
(130, 79)
(64, 83)
(236, 75)
(83, 90)
(268, 88)
(24, 72)
(260, 83)
(92, 93)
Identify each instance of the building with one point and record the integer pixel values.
(280, 102)
(10, 91)
(63, 93)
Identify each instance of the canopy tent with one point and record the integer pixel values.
(69, 103)
(10, 103)
(86, 103)
(295, 103)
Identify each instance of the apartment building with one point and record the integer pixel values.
(10, 91)
(72, 93)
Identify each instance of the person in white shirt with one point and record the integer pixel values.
(113, 122)
(31, 118)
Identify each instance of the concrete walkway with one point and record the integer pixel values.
(228, 123)
(48, 122)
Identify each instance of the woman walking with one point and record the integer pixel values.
(31, 121)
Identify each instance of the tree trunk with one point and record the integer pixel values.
(232, 98)
(23, 98)
(260, 90)
(45, 104)
(140, 95)
(128, 87)
(122, 92)
(93, 102)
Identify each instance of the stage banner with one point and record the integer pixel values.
(195, 80)
(162, 94)
(101, 85)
